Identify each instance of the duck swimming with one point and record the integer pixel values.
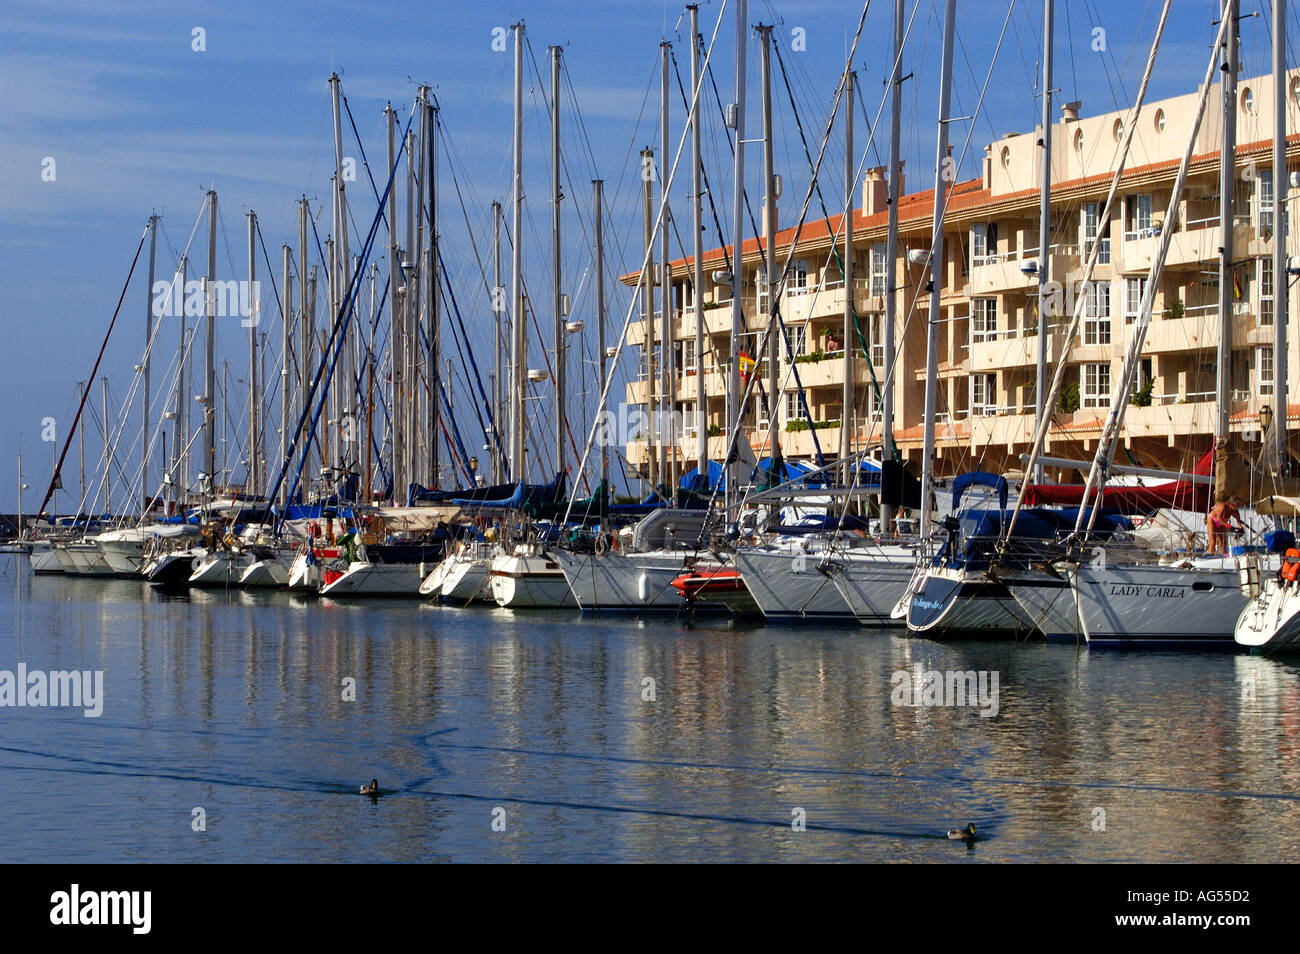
(962, 834)
(372, 789)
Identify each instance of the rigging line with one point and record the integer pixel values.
(847, 222)
(645, 260)
(54, 478)
(773, 301)
(1059, 375)
(340, 327)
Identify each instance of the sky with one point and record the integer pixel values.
(112, 112)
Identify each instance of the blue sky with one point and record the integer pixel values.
(137, 121)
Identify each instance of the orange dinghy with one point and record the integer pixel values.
(716, 584)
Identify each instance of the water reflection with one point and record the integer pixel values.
(616, 739)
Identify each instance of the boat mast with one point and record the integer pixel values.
(81, 432)
(557, 303)
(1281, 184)
(106, 485)
(498, 306)
(181, 452)
(1044, 221)
(1227, 176)
(771, 281)
(341, 385)
(941, 177)
(254, 395)
(148, 351)
(667, 371)
(395, 356)
(286, 337)
(433, 343)
(209, 363)
(701, 395)
(735, 413)
(411, 313)
(648, 295)
(306, 318)
(891, 253)
(518, 355)
(598, 187)
(846, 396)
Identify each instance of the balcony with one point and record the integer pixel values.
(1199, 241)
(1006, 349)
(999, 274)
(804, 304)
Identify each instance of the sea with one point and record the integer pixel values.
(238, 726)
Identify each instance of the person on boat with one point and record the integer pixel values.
(1219, 523)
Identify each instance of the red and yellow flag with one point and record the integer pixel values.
(747, 365)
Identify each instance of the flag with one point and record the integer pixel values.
(1236, 284)
(746, 366)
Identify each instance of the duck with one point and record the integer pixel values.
(372, 789)
(962, 834)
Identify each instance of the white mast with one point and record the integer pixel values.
(771, 280)
(518, 353)
(498, 307)
(891, 252)
(557, 277)
(148, 360)
(735, 413)
(942, 175)
(697, 279)
(598, 200)
(846, 395)
(1281, 184)
(286, 338)
(209, 369)
(1044, 221)
(254, 391)
(667, 383)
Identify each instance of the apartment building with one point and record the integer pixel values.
(989, 302)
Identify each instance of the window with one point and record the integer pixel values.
(984, 243)
(877, 269)
(984, 319)
(1160, 120)
(1094, 232)
(760, 289)
(1095, 380)
(1264, 370)
(793, 410)
(689, 364)
(1096, 316)
(1135, 290)
(876, 339)
(1264, 201)
(1265, 284)
(799, 274)
(983, 395)
(688, 418)
(688, 294)
(1137, 217)
(798, 341)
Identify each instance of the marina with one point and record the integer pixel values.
(804, 459)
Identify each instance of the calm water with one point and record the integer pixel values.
(233, 702)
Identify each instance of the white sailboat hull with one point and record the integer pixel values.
(788, 587)
(616, 582)
(530, 582)
(1160, 606)
(872, 584)
(376, 579)
(1271, 621)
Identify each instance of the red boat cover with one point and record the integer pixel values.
(1176, 494)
